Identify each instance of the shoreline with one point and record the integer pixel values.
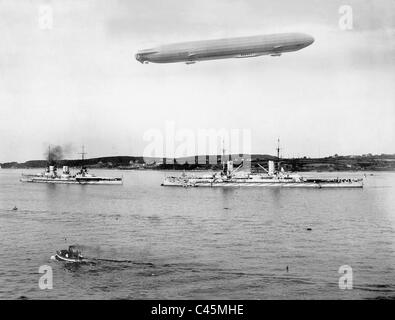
(366, 162)
(39, 169)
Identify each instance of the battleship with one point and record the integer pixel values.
(272, 177)
(51, 175)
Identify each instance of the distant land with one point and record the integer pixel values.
(367, 162)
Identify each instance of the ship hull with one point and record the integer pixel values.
(59, 257)
(229, 184)
(71, 181)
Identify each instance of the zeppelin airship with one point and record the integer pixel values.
(241, 47)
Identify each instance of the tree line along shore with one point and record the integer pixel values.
(369, 162)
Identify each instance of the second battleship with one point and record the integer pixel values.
(272, 177)
(229, 177)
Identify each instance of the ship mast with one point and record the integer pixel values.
(82, 153)
(224, 163)
(278, 154)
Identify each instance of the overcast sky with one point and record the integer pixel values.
(78, 82)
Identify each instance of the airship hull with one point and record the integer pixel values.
(243, 47)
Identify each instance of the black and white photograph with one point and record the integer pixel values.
(197, 150)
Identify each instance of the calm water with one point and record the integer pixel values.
(197, 243)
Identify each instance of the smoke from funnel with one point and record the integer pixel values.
(56, 153)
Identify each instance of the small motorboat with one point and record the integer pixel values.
(70, 255)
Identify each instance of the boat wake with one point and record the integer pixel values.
(149, 264)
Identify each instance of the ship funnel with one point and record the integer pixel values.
(271, 167)
(51, 169)
(229, 167)
(65, 169)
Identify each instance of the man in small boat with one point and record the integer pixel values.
(74, 253)
(71, 253)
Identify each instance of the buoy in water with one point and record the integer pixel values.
(309, 229)
(14, 208)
